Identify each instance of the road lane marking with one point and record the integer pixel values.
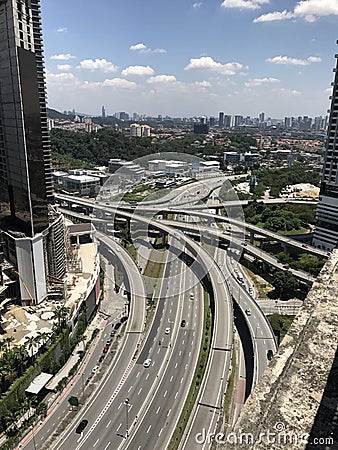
(118, 427)
(148, 429)
(139, 392)
(108, 424)
(120, 405)
(176, 365)
(147, 376)
(96, 442)
(171, 378)
(131, 387)
(107, 446)
(158, 409)
(176, 395)
(165, 393)
(181, 380)
(180, 353)
(160, 432)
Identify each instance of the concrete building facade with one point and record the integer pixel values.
(326, 232)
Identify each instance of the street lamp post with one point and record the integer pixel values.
(126, 402)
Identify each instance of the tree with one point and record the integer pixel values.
(60, 315)
(284, 283)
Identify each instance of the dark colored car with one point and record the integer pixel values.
(82, 425)
(117, 325)
(101, 358)
(269, 355)
(183, 323)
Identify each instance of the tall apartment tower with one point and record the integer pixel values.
(103, 112)
(26, 217)
(221, 119)
(326, 232)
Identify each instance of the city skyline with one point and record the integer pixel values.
(191, 58)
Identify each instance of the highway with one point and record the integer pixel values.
(135, 326)
(108, 427)
(240, 245)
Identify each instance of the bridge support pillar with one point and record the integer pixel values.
(252, 237)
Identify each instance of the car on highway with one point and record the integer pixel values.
(147, 363)
(244, 244)
(192, 296)
(269, 354)
(167, 330)
(105, 349)
(109, 341)
(82, 425)
(305, 246)
(248, 312)
(101, 358)
(94, 369)
(183, 323)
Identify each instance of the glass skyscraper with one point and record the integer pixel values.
(26, 219)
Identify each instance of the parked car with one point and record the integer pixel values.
(269, 354)
(167, 330)
(105, 349)
(183, 323)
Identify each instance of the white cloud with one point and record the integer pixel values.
(274, 16)
(293, 61)
(64, 67)
(97, 64)
(203, 84)
(118, 83)
(197, 4)
(261, 81)
(137, 70)
(56, 78)
(292, 92)
(243, 4)
(309, 10)
(162, 79)
(62, 30)
(142, 48)
(63, 57)
(207, 63)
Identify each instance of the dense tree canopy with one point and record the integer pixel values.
(97, 148)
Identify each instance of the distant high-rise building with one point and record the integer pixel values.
(227, 121)
(261, 117)
(103, 112)
(326, 231)
(27, 221)
(238, 121)
(212, 121)
(221, 119)
(123, 115)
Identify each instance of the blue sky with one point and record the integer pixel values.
(187, 58)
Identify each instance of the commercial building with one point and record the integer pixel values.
(126, 169)
(326, 232)
(27, 221)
